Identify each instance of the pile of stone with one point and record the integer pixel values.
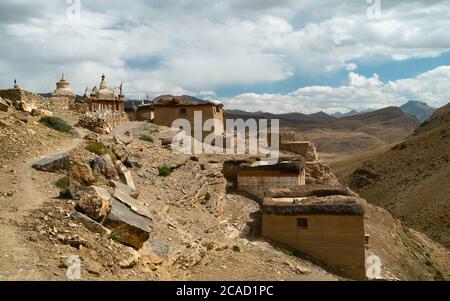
(101, 122)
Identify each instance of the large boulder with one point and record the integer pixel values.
(132, 192)
(95, 203)
(24, 106)
(90, 224)
(59, 162)
(125, 174)
(104, 166)
(81, 177)
(128, 227)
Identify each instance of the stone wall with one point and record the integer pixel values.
(102, 122)
(303, 148)
(12, 94)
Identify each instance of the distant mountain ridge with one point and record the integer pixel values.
(352, 113)
(419, 109)
(350, 134)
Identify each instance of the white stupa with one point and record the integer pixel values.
(63, 89)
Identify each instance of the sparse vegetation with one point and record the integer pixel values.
(114, 236)
(63, 184)
(164, 171)
(100, 149)
(236, 249)
(207, 198)
(146, 138)
(57, 124)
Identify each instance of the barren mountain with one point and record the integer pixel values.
(193, 237)
(419, 109)
(346, 135)
(412, 179)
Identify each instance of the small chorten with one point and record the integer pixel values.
(63, 88)
(104, 92)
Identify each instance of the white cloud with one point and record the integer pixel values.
(186, 46)
(359, 81)
(361, 93)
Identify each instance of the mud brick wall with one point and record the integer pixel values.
(337, 241)
(258, 185)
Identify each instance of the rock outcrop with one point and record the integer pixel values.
(128, 227)
(59, 162)
(132, 192)
(104, 165)
(125, 138)
(95, 203)
(120, 150)
(81, 178)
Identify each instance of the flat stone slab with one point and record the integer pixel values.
(90, 224)
(132, 192)
(58, 162)
(135, 205)
(128, 227)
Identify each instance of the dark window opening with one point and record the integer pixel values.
(302, 224)
(183, 111)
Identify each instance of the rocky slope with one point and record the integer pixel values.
(198, 228)
(412, 179)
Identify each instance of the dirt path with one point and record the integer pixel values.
(17, 259)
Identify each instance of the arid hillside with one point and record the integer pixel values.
(198, 228)
(412, 178)
(347, 135)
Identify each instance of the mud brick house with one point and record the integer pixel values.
(326, 223)
(258, 177)
(105, 98)
(170, 108)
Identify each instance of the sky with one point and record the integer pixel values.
(257, 55)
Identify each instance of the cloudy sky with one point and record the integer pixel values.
(257, 55)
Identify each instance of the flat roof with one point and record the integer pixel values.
(330, 205)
